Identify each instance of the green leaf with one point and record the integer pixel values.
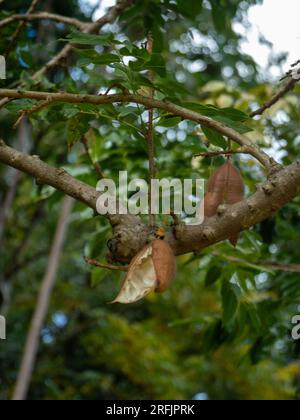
(140, 53)
(158, 39)
(98, 58)
(169, 122)
(214, 137)
(213, 275)
(235, 125)
(81, 38)
(77, 126)
(234, 114)
(214, 337)
(69, 110)
(20, 105)
(230, 301)
(97, 276)
(190, 9)
(248, 315)
(208, 110)
(157, 64)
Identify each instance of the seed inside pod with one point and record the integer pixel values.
(152, 269)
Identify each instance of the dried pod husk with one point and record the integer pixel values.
(226, 186)
(152, 269)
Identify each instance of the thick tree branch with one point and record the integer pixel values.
(171, 108)
(130, 234)
(56, 178)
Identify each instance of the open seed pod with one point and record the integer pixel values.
(152, 269)
(226, 186)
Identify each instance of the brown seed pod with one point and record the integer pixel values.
(164, 264)
(152, 269)
(211, 203)
(226, 186)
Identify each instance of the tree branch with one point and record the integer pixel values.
(130, 234)
(104, 266)
(148, 102)
(19, 29)
(239, 151)
(42, 306)
(279, 95)
(113, 13)
(44, 16)
(56, 178)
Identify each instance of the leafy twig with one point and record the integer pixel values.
(279, 95)
(113, 13)
(96, 165)
(38, 107)
(105, 266)
(17, 32)
(269, 163)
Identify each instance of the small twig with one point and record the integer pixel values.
(43, 16)
(96, 165)
(105, 266)
(220, 153)
(19, 29)
(150, 140)
(245, 150)
(279, 95)
(288, 268)
(35, 108)
(176, 218)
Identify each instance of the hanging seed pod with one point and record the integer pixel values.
(226, 186)
(152, 269)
